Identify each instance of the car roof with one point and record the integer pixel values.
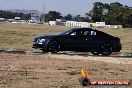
(74, 29)
(91, 29)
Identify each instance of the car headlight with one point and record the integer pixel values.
(41, 40)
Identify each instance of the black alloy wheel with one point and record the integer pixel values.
(106, 49)
(44, 50)
(54, 46)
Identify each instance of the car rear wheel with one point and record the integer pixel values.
(54, 46)
(106, 49)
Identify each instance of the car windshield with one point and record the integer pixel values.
(66, 32)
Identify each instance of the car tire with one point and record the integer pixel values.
(44, 50)
(54, 46)
(106, 49)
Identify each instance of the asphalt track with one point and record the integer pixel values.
(70, 53)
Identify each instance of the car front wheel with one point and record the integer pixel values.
(106, 49)
(44, 50)
(54, 46)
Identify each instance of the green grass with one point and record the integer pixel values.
(20, 36)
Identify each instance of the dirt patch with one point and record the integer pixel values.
(57, 71)
(110, 59)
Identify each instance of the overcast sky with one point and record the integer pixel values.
(63, 6)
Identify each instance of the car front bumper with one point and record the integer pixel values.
(37, 46)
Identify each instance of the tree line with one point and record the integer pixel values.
(12, 15)
(53, 15)
(113, 14)
(110, 13)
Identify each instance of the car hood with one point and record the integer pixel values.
(46, 36)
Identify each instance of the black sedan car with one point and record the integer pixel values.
(79, 39)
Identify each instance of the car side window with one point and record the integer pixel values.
(86, 33)
(93, 33)
(73, 34)
(76, 33)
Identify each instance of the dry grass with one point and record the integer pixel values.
(20, 36)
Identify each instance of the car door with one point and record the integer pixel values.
(73, 40)
(93, 41)
(86, 40)
(89, 40)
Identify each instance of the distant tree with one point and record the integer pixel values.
(113, 14)
(83, 19)
(96, 12)
(127, 18)
(53, 15)
(77, 18)
(87, 17)
(68, 17)
(12, 15)
(116, 13)
(80, 18)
